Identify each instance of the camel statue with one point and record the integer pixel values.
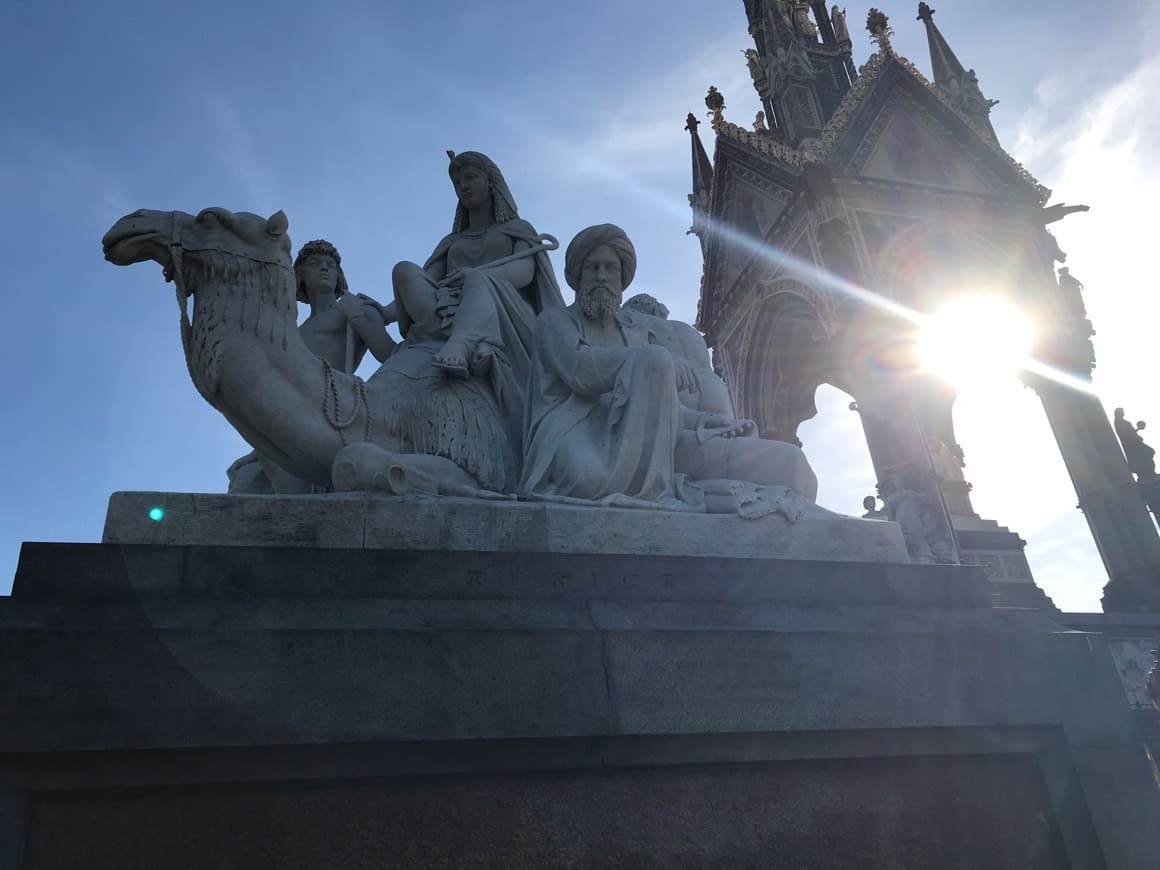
(408, 427)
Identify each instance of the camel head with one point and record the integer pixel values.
(152, 235)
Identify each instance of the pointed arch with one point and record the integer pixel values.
(786, 353)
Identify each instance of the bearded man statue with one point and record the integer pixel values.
(605, 422)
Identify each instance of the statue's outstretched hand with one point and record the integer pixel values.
(720, 426)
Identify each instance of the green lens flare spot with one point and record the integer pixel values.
(156, 514)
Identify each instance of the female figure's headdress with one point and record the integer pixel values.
(502, 200)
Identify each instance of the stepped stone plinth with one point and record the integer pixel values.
(191, 703)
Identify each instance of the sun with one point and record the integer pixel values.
(974, 342)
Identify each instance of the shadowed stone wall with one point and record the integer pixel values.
(858, 814)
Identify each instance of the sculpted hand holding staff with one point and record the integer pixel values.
(484, 299)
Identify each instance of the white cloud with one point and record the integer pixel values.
(234, 144)
(35, 168)
(642, 126)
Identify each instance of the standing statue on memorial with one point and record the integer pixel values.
(802, 21)
(1051, 214)
(841, 29)
(1072, 291)
(759, 125)
(1141, 457)
(605, 421)
(916, 514)
(757, 72)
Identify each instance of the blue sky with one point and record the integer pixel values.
(340, 114)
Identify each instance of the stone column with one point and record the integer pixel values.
(901, 458)
(895, 436)
(1123, 530)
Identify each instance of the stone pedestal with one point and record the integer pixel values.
(360, 521)
(197, 705)
(1000, 553)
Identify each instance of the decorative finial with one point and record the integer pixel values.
(715, 101)
(691, 123)
(878, 24)
(925, 13)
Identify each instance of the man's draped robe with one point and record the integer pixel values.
(602, 422)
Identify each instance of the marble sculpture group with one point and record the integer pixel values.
(498, 390)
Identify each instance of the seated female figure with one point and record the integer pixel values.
(471, 310)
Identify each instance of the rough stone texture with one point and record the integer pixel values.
(878, 814)
(1131, 639)
(884, 709)
(145, 575)
(383, 522)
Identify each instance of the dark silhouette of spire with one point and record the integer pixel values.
(958, 84)
(702, 181)
(702, 165)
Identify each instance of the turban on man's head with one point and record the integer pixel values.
(589, 240)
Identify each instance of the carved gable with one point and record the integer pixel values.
(753, 205)
(907, 144)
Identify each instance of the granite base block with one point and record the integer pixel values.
(384, 522)
(249, 706)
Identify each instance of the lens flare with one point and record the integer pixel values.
(975, 341)
(156, 514)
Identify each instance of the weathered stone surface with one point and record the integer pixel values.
(1124, 814)
(822, 813)
(55, 573)
(705, 681)
(301, 670)
(384, 522)
(156, 688)
(278, 521)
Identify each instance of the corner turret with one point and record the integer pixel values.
(801, 65)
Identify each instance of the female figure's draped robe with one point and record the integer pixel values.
(475, 422)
